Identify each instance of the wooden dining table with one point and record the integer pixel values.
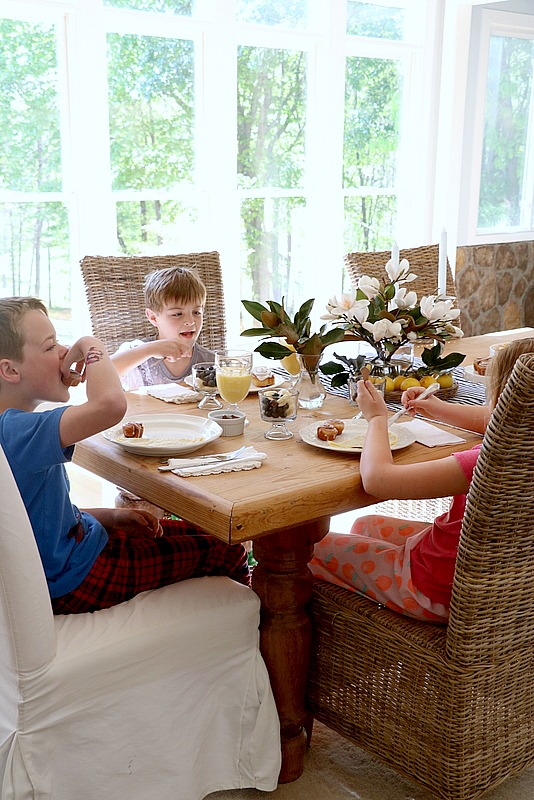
(284, 507)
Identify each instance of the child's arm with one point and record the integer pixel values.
(135, 521)
(171, 349)
(471, 418)
(383, 478)
(105, 404)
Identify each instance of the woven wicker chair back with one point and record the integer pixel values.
(114, 289)
(423, 262)
(492, 608)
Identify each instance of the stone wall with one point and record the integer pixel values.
(495, 286)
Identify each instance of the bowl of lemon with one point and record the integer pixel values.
(395, 386)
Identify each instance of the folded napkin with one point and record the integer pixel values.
(250, 458)
(172, 393)
(429, 435)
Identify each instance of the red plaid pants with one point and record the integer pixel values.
(131, 564)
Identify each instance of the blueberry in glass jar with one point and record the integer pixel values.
(207, 376)
(276, 405)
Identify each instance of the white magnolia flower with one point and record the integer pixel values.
(340, 308)
(400, 273)
(383, 329)
(359, 311)
(369, 286)
(435, 309)
(404, 299)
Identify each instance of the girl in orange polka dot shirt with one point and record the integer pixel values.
(408, 565)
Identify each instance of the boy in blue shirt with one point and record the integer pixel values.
(97, 558)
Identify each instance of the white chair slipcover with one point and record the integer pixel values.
(163, 696)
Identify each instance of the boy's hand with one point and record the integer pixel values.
(135, 521)
(370, 402)
(80, 354)
(171, 349)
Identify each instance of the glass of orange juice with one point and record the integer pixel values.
(233, 370)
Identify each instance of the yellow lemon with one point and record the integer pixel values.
(427, 381)
(390, 385)
(397, 382)
(291, 363)
(408, 383)
(445, 380)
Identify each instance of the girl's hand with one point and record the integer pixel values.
(135, 521)
(429, 407)
(370, 402)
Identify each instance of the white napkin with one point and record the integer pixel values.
(429, 435)
(172, 393)
(250, 458)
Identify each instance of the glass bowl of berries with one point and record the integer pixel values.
(204, 377)
(278, 406)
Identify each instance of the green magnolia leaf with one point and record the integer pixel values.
(273, 350)
(255, 309)
(389, 291)
(332, 336)
(257, 332)
(331, 368)
(341, 379)
(304, 312)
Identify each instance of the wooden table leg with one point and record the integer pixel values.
(284, 584)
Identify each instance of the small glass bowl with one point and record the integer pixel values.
(278, 406)
(204, 381)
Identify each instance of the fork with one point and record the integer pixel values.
(213, 458)
(429, 390)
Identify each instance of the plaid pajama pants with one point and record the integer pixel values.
(131, 564)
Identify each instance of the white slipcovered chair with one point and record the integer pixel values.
(163, 696)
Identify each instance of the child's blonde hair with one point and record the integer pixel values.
(173, 285)
(502, 364)
(12, 310)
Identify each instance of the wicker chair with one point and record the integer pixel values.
(423, 261)
(451, 707)
(114, 289)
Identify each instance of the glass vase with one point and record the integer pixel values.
(311, 391)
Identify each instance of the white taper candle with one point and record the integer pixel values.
(442, 264)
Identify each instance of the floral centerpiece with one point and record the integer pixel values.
(276, 324)
(387, 316)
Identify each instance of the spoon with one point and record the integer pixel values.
(429, 390)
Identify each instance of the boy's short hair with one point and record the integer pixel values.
(12, 310)
(173, 284)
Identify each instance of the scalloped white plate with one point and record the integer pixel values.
(351, 440)
(166, 434)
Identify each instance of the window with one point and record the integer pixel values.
(502, 185)
(282, 133)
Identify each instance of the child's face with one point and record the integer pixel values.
(42, 356)
(182, 321)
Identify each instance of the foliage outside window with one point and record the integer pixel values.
(508, 130)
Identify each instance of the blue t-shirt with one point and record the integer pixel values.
(69, 540)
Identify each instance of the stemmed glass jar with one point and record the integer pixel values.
(204, 382)
(278, 406)
(233, 374)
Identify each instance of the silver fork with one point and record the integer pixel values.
(213, 458)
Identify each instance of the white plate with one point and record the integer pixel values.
(354, 430)
(166, 434)
(470, 374)
(278, 381)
